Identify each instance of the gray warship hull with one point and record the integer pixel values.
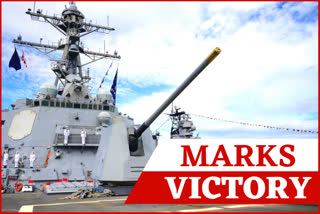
(105, 157)
(77, 139)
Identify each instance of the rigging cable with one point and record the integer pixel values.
(162, 125)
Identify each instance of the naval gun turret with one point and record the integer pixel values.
(135, 133)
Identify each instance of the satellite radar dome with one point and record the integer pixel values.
(104, 118)
(48, 89)
(105, 96)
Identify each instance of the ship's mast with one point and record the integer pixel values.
(175, 118)
(73, 26)
(182, 126)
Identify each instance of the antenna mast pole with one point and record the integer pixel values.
(72, 25)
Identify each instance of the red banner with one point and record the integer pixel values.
(226, 188)
(230, 171)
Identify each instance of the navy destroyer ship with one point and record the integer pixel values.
(65, 138)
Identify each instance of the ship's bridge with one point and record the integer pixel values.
(47, 97)
(74, 105)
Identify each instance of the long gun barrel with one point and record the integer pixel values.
(176, 93)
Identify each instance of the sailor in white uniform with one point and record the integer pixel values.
(16, 160)
(5, 159)
(32, 159)
(83, 136)
(66, 135)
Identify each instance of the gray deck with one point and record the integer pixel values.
(40, 202)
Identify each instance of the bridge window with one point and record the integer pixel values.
(84, 106)
(76, 105)
(106, 108)
(44, 103)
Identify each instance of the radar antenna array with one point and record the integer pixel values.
(73, 26)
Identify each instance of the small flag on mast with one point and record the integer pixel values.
(15, 61)
(23, 59)
(105, 76)
(113, 89)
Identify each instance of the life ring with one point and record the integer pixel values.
(19, 187)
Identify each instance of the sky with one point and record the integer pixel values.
(267, 72)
